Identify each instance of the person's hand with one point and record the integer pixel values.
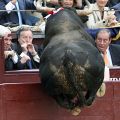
(31, 49)
(45, 9)
(39, 7)
(112, 21)
(13, 1)
(48, 9)
(88, 9)
(24, 59)
(24, 47)
(111, 18)
(84, 12)
(9, 53)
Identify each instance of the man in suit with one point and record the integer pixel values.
(26, 50)
(11, 17)
(110, 52)
(11, 57)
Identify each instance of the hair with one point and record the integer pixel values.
(4, 30)
(21, 30)
(74, 2)
(103, 30)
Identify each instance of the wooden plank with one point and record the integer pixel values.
(30, 102)
(1, 104)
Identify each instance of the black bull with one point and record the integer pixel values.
(71, 68)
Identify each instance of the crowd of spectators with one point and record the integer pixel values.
(22, 54)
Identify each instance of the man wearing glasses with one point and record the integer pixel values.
(110, 52)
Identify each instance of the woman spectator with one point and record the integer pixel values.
(101, 15)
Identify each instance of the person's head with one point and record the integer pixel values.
(25, 35)
(67, 3)
(5, 33)
(103, 40)
(101, 3)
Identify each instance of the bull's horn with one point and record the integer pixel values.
(101, 90)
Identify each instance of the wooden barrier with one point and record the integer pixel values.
(22, 98)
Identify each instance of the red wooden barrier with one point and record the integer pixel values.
(28, 101)
(22, 98)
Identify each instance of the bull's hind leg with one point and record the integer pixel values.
(89, 98)
(100, 93)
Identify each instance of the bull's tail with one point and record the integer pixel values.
(70, 73)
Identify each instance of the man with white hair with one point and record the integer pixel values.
(11, 58)
(4, 30)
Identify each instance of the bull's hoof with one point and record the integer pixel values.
(101, 91)
(76, 111)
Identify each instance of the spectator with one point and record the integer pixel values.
(41, 6)
(73, 3)
(27, 51)
(110, 52)
(11, 57)
(9, 17)
(68, 4)
(110, 2)
(101, 16)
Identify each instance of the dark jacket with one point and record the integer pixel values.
(115, 54)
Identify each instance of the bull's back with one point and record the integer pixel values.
(67, 64)
(68, 24)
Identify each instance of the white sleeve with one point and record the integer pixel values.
(9, 7)
(36, 58)
(15, 58)
(23, 54)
